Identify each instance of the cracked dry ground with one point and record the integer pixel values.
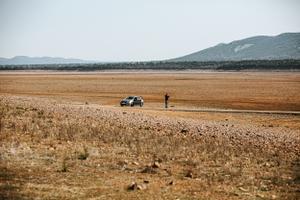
(52, 149)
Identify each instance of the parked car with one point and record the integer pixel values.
(132, 101)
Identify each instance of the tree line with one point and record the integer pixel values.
(289, 64)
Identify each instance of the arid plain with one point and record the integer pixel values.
(64, 135)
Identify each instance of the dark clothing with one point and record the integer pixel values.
(167, 97)
(166, 100)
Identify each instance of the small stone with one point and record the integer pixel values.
(243, 189)
(149, 169)
(267, 164)
(171, 182)
(146, 181)
(125, 162)
(135, 163)
(156, 165)
(135, 186)
(264, 188)
(132, 186)
(260, 195)
(141, 187)
(189, 174)
(184, 130)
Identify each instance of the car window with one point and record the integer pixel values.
(130, 97)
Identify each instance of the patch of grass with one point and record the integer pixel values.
(64, 166)
(83, 155)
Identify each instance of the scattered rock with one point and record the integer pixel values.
(171, 183)
(141, 187)
(184, 130)
(267, 164)
(260, 196)
(264, 188)
(135, 186)
(156, 165)
(123, 163)
(132, 186)
(150, 170)
(135, 163)
(146, 181)
(243, 189)
(189, 174)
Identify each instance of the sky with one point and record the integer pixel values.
(136, 30)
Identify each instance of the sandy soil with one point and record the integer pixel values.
(236, 90)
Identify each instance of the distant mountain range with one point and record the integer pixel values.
(283, 46)
(25, 60)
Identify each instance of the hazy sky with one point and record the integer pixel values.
(132, 30)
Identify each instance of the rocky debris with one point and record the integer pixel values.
(184, 130)
(267, 164)
(135, 163)
(135, 186)
(274, 137)
(189, 174)
(132, 186)
(150, 170)
(156, 165)
(123, 164)
(243, 189)
(171, 183)
(260, 196)
(264, 188)
(141, 187)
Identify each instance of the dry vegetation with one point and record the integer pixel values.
(56, 146)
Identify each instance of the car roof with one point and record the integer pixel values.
(134, 96)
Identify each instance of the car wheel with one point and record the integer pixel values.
(132, 104)
(141, 105)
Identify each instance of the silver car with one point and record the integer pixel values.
(132, 101)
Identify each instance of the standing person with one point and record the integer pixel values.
(166, 100)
